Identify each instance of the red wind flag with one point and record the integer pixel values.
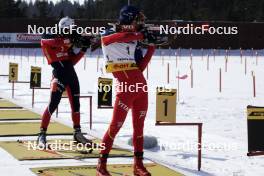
(182, 77)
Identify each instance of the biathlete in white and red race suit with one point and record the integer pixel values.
(125, 60)
(60, 54)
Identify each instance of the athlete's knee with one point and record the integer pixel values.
(143, 114)
(56, 85)
(114, 129)
(53, 106)
(54, 101)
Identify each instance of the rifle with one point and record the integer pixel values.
(161, 39)
(87, 41)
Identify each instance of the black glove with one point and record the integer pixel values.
(95, 43)
(84, 49)
(75, 37)
(149, 36)
(85, 41)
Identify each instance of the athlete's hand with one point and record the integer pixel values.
(149, 36)
(75, 37)
(85, 41)
(84, 49)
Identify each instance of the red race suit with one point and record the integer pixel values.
(59, 53)
(124, 59)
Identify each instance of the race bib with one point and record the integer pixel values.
(114, 67)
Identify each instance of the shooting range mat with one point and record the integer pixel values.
(4, 104)
(20, 150)
(115, 170)
(18, 114)
(8, 129)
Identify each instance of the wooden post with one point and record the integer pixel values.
(220, 80)
(191, 59)
(13, 89)
(199, 146)
(33, 96)
(254, 84)
(226, 53)
(91, 111)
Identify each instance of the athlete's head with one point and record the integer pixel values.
(131, 15)
(65, 24)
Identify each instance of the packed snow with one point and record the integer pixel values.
(223, 114)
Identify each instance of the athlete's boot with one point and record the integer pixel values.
(101, 169)
(42, 141)
(78, 137)
(139, 169)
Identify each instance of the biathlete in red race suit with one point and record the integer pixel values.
(58, 50)
(124, 59)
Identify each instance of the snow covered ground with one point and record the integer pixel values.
(223, 114)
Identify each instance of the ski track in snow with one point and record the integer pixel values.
(223, 114)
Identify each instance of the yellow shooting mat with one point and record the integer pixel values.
(114, 169)
(7, 104)
(18, 114)
(62, 149)
(32, 129)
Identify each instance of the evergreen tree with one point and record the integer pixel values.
(43, 8)
(10, 9)
(224, 10)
